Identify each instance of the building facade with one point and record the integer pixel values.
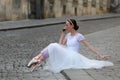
(59, 8)
(13, 9)
(39, 9)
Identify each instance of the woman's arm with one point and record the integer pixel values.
(62, 39)
(105, 57)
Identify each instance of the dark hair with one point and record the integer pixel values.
(72, 21)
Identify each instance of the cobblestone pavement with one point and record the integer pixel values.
(17, 47)
(108, 43)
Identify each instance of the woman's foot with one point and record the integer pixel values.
(33, 61)
(35, 65)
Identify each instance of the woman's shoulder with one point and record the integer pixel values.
(79, 34)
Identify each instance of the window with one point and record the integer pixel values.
(93, 3)
(85, 3)
(101, 3)
(75, 2)
(75, 10)
(64, 9)
(16, 3)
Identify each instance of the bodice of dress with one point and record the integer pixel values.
(73, 42)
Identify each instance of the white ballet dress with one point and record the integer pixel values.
(68, 57)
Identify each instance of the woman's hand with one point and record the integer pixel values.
(63, 31)
(105, 57)
(62, 40)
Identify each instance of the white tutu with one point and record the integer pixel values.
(60, 58)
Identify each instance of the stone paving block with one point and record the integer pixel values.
(2, 66)
(30, 77)
(59, 76)
(3, 75)
(103, 75)
(13, 78)
(78, 75)
(97, 75)
(9, 66)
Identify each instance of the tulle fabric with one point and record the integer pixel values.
(60, 58)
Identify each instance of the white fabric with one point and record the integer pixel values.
(73, 42)
(62, 57)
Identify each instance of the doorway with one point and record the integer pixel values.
(36, 9)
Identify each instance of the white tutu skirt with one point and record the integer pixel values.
(60, 58)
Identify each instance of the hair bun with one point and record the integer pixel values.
(76, 27)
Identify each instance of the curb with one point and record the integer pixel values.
(32, 26)
(65, 75)
(51, 21)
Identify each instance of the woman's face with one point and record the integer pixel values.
(69, 27)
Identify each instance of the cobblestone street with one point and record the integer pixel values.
(17, 47)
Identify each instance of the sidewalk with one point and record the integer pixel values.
(11, 25)
(108, 42)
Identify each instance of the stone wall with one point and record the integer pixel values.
(2, 9)
(13, 9)
(20, 9)
(60, 8)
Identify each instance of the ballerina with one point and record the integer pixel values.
(65, 54)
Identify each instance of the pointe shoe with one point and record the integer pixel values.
(33, 61)
(36, 65)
